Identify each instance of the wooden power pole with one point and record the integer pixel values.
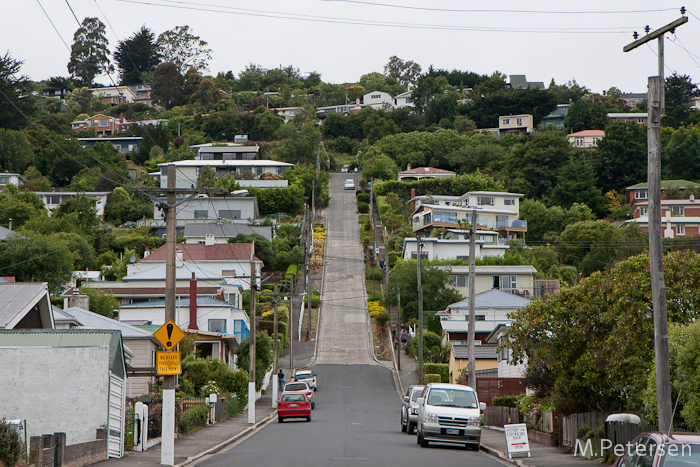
(421, 368)
(472, 300)
(658, 288)
(251, 356)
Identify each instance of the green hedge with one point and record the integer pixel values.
(431, 378)
(194, 418)
(362, 197)
(505, 401)
(282, 331)
(291, 272)
(441, 369)
(363, 207)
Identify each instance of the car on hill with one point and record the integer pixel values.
(349, 184)
(304, 387)
(449, 413)
(657, 449)
(293, 405)
(308, 376)
(409, 408)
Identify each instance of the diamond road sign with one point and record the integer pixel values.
(169, 335)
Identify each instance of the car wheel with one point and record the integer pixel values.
(279, 419)
(315, 389)
(403, 425)
(476, 447)
(418, 438)
(308, 419)
(411, 427)
(423, 442)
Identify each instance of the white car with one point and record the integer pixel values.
(301, 386)
(308, 376)
(349, 184)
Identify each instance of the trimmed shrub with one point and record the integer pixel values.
(363, 207)
(431, 378)
(194, 418)
(392, 257)
(506, 401)
(362, 197)
(373, 273)
(441, 369)
(11, 444)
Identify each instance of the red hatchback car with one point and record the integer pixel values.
(293, 405)
(661, 450)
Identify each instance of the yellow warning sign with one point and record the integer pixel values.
(168, 363)
(169, 335)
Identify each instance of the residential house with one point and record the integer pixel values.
(496, 211)
(228, 263)
(59, 93)
(516, 125)
(640, 191)
(485, 358)
(220, 232)
(487, 244)
(345, 109)
(225, 152)
(69, 382)
(25, 305)
(142, 93)
(405, 99)
(53, 199)
(124, 144)
(680, 217)
(114, 95)
(11, 179)
(188, 171)
(634, 99)
(412, 175)
(104, 125)
(514, 279)
(287, 113)
(4, 233)
(557, 117)
(140, 342)
(641, 118)
(521, 82)
(506, 369)
(586, 139)
(378, 100)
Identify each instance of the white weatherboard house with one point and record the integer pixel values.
(518, 280)
(487, 243)
(66, 381)
(188, 171)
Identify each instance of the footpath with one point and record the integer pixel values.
(493, 439)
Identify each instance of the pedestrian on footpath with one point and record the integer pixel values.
(404, 337)
(280, 378)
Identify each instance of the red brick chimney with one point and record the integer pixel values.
(193, 303)
(412, 204)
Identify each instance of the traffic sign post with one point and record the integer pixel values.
(168, 363)
(169, 335)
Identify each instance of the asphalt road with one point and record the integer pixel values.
(355, 423)
(357, 416)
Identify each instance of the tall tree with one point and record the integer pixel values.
(166, 88)
(184, 49)
(584, 115)
(620, 158)
(403, 72)
(15, 151)
(89, 55)
(13, 109)
(679, 95)
(136, 55)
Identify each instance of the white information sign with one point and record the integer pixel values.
(516, 439)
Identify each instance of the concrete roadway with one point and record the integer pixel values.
(356, 420)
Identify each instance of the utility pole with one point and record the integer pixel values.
(251, 352)
(275, 382)
(167, 454)
(291, 322)
(420, 316)
(398, 323)
(472, 300)
(658, 288)
(311, 247)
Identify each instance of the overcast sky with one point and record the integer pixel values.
(344, 39)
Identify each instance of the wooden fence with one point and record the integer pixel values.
(189, 402)
(571, 423)
(499, 416)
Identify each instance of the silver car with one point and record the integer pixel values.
(308, 376)
(409, 408)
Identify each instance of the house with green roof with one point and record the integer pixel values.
(640, 192)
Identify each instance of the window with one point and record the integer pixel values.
(509, 201)
(506, 121)
(230, 214)
(240, 330)
(519, 121)
(376, 96)
(54, 200)
(579, 142)
(641, 194)
(4, 179)
(676, 211)
(460, 281)
(414, 255)
(484, 201)
(201, 213)
(103, 123)
(639, 120)
(258, 170)
(680, 229)
(505, 282)
(479, 317)
(643, 211)
(217, 325)
(206, 157)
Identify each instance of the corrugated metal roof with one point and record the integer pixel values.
(55, 337)
(202, 252)
(17, 296)
(480, 351)
(143, 291)
(96, 321)
(226, 230)
(157, 272)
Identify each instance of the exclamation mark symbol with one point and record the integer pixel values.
(169, 328)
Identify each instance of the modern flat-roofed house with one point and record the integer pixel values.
(487, 244)
(225, 152)
(516, 125)
(7, 178)
(220, 232)
(114, 95)
(640, 192)
(497, 211)
(557, 117)
(586, 139)
(641, 118)
(53, 199)
(287, 113)
(188, 171)
(124, 144)
(515, 279)
(104, 125)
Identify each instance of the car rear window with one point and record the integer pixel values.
(681, 454)
(293, 398)
(296, 387)
(304, 376)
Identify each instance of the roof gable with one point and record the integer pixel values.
(202, 252)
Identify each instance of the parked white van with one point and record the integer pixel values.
(449, 413)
